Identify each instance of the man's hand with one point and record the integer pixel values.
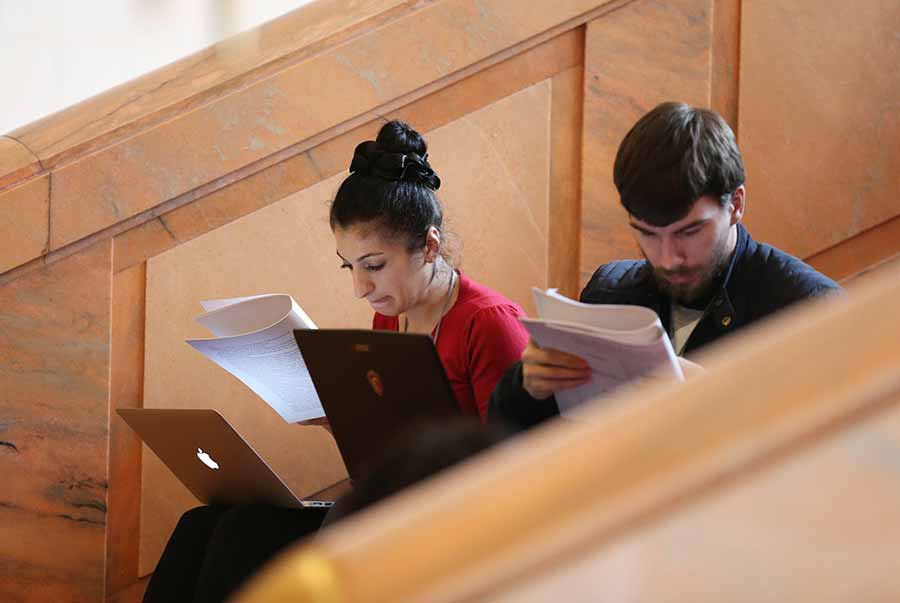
(545, 371)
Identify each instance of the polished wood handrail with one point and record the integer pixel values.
(200, 78)
(567, 487)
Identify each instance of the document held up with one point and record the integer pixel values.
(254, 341)
(620, 343)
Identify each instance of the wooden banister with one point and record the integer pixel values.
(204, 122)
(569, 488)
(201, 78)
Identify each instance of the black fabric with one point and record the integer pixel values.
(176, 574)
(369, 159)
(215, 548)
(759, 281)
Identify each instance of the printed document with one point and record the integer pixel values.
(254, 341)
(620, 343)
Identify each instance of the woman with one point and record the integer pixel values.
(387, 224)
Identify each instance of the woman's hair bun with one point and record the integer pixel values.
(392, 186)
(399, 137)
(398, 154)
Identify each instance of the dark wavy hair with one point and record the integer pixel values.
(391, 186)
(674, 155)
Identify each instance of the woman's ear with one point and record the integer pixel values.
(432, 244)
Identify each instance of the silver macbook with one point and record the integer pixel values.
(212, 459)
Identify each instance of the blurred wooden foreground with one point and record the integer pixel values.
(773, 476)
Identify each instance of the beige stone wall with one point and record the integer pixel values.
(818, 126)
(54, 370)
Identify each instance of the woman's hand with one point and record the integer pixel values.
(545, 371)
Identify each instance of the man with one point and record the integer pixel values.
(680, 176)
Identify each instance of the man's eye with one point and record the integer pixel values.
(374, 268)
(690, 232)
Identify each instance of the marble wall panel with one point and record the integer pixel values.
(24, 222)
(199, 146)
(496, 202)
(861, 253)
(213, 210)
(820, 525)
(16, 161)
(54, 373)
(126, 390)
(495, 187)
(646, 53)
(564, 231)
(275, 182)
(819, 119)
(726, 47)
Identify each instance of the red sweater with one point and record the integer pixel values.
(480, 338)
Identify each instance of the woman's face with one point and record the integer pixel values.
(385, 274)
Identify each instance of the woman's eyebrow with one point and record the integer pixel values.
(362, 257)
(369, 255)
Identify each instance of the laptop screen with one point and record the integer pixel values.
(375, 386)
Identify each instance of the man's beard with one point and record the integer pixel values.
(697, 293)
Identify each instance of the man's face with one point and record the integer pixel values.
(689, 254)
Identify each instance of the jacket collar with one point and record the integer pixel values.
(721, 310)
(740, 248)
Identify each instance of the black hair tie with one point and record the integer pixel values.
(369, 160)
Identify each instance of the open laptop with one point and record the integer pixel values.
(212, 459)
(374, 387)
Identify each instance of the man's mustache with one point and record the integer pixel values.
(679, 272)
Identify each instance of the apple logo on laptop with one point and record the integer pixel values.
(206, 459)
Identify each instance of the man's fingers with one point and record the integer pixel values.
(546, 371)
(541, 389)
(551, 357)
(554, 373)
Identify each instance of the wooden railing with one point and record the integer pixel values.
(734, 486)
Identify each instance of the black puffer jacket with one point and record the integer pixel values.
(760, 281)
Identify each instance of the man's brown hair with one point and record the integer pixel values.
(671, 157)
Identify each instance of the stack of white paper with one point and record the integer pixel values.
(620, 343)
